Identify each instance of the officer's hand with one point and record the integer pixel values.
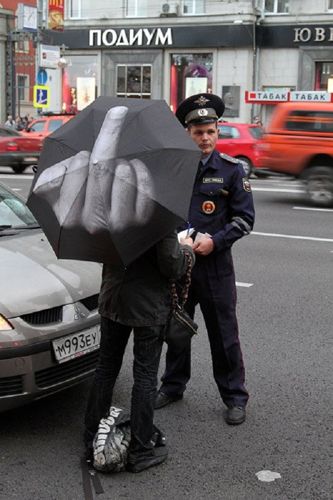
(204, 246)
(186, 241)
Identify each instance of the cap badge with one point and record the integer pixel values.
(202, 101)
(202, 112)
(208, 207)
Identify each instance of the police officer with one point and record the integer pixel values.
(221, 212)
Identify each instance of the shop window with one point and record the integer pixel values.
(22, 87)
(134, 80)
(190, 74)
(277, 6)
(136, 8)
(193, 7)
(79, 82)
(324, 76)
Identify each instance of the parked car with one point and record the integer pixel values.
(239, 140)
(17, 150)
(299, 142)
(47, 123)
(49, 323)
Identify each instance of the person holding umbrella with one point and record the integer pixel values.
(133, 297)
(112, 185)
(221, 212)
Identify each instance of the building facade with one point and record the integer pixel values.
(172, 49)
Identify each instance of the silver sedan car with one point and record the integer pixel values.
(49, 324)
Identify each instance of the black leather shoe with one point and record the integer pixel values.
(163, 399)
(235, 415)
(158, 456)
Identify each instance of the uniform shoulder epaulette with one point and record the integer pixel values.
(231, 159)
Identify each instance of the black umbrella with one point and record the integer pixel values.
(114, 180)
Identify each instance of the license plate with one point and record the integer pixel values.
(31, 158)
(77, 344)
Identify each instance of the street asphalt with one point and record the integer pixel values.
(284, 271)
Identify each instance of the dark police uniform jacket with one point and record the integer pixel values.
(222, 203)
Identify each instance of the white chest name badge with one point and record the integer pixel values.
(208, 207)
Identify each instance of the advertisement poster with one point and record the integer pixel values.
(55, 19)
(231, 98)
(85, 91)
(196, 85)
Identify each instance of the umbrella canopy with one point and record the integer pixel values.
(114, 180)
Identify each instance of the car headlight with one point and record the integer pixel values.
(4, 323)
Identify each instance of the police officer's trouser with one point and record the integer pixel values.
(213, 288)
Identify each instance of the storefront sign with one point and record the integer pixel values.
(310, 96)
(313, 34)
(265, 97)
(130, 37)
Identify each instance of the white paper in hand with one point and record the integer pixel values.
(186, 233)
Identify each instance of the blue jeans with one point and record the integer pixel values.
(148, 341)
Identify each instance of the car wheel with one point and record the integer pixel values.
(319, 185)
(18, 169)
(246, 164)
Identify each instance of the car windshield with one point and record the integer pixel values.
(14, 213)
(256, 132)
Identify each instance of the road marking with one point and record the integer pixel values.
(314, 209)
(277, 190)
(291, 236)
(16, 189)
(245, 285)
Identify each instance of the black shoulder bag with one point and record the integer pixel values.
(180, 326)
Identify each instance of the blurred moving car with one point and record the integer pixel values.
(17, 150)
(239, 140)
(299, 142)
(49, 324)
(47, 123)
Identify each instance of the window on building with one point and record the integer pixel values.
(324, 76)
(137, 8)
(330, 5)
(193, 7)
(277, 6)
(74, 9)
(134, 80)
(22, 46)
(22, 87)
(81, 9)
(190, 74)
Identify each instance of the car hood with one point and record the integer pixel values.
(34, 279)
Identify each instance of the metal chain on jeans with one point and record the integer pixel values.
(176, 300)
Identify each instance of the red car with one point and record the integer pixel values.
(239, 140)
(45, 124)
(17, 150)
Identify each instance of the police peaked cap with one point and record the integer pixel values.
(200, 109)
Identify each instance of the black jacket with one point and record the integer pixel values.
(139, 295)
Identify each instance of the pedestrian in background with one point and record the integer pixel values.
(222, 212)
(10, 123)
(135, 298)
(19, 124)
